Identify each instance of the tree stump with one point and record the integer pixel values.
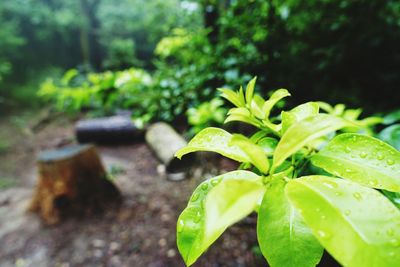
(71, 181)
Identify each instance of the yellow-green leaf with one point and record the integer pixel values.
(284, 238)
(363, 159)
(357, 225)
(214, 140)
(256, 154)
(304, 132)
(215, 205)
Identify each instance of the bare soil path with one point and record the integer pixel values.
(141, 232)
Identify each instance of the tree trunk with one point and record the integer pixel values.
(71, 181)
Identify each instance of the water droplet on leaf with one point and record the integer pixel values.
(330, 184)
(357, 196)
(363, 155)
(323, 234)
(390, 162)
(215, 181)
(390, 232)
(380, 156)
(195, 197)
(197, 218)
(180, 226)
(204, 186)
(347, 212)
(373, 183)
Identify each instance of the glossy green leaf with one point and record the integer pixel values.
(363, 159)
(391, 135)
(250, 90)
(214, 140)
(298, 113)
(256, 154)
(284, 238)
(268, 144)
(231, 96)
(214, 206)
(357, 225)
(256, 110)
(257, 136)
(241, 118)
(352, 114)
(304, 132)
(392, 117)
(239, 111)
(325, 106)
(275, 98)
(393, 196)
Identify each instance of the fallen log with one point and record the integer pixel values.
(109, 130)
(71, 181)
(165, 141)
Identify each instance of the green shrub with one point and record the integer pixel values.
(301, 212)
(101, 92)
(207, 114)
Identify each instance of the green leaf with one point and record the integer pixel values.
(357, 225)
(325, 106)
(241, 118)
(275, 98)
(215, 205)
(231, 96)
(391, 135)
(256, 154)
(284, 238)
(250, 90)
(298, 113)
(393, 196)
(239, 111)
(362, 159)
(392, 117)
(268, 144)
(257, 136)
(214, 140)
(338, 109)
(256, 110)
(304, 132)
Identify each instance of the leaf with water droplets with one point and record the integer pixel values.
(215, 140)
(365, 160)
(360, 227)
(298, 113)
(284, 238)
(254, 152)
(216, 204)
(304, 132)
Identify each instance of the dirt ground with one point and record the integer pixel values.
(140, 232)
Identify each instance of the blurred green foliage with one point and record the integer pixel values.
(343, 51)
(391, 133)
(93, 35)
(103, 93)
(207, 114)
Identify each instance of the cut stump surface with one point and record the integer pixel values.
(71, 180)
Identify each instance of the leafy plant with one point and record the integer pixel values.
(103, 92)
(391, 134)
(206, 114)
(299, 213)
